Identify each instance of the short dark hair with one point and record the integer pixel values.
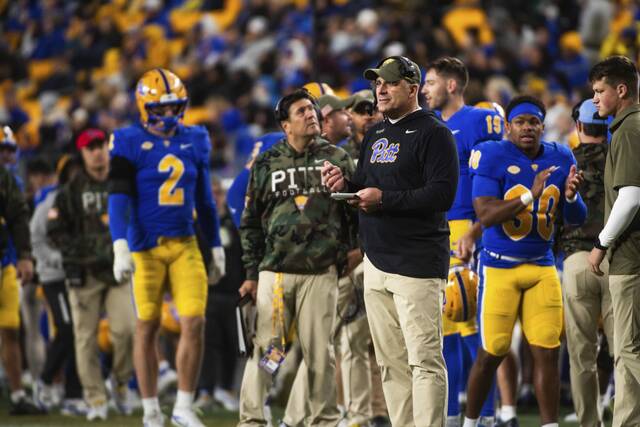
(617, 70)
(521, 99)
(451, 67)
(39, 166)
(589, 129)
(281, 111)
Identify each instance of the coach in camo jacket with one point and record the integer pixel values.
(295, 240)
(586, 296)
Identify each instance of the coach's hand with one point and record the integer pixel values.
(573, 183)
(218, 267)
(595, 259)
(123, 266)
(249, 287)
(332, 176)
(369, 199)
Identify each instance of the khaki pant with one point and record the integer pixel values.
(625, 295)
(87, 303)
(405, 316)
(352, 348)
(310, 301)
(586, 298)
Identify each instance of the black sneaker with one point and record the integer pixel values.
(513, 422)
(25, 406)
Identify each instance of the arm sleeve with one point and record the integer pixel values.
(122, 176)
(236, 194)
(17, 216)
(206, 208)
(251, 232)
(440, 176)
(118, 210)
(623, 211)
(575, 212)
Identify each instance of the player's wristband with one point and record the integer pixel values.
(598, 245)
(573, 199)
(526, 198)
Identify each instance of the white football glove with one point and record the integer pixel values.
(218, 267)
(123, 266)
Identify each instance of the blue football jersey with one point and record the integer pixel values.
(167, 173)
(501, 170)
(238, 190)
(470, 126)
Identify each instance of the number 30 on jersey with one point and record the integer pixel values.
(520, 227)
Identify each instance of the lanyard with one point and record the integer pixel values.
(277, 316)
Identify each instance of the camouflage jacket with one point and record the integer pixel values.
(14, 216)
(290, 224)
(353, 148)
(591, 159)
(78, 225)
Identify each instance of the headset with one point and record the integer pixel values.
(407, 68)
(281, 112)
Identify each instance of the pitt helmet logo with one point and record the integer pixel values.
(384, 152)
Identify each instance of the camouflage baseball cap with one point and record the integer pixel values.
(361, 96)
(391, 70)
(331, 103)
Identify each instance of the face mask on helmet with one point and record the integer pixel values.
(161, 98)
(169, 114)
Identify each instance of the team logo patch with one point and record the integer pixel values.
(147, 145)
(513, 169)
(384, 152)
(166, 142)
(474, 159)
(534, 167)
(301, 202)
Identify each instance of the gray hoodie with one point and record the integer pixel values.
(48, 258)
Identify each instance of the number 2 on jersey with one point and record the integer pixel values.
(520, 227)
(168, 194)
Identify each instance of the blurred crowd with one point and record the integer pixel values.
(69, 65)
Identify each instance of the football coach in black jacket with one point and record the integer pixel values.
(405, 182)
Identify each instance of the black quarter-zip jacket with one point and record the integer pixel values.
(415, 163)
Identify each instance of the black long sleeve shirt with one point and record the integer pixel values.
(415, 163)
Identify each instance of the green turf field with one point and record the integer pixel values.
(212, 418)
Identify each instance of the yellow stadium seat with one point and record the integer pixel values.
(183, 20)
(153, 32)
(176, 46)
(40, 69)
(196, 115)
(228, 15)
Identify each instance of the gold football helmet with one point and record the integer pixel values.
(159, 88)
(461, 295)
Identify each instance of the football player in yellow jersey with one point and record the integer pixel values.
(159, 176)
